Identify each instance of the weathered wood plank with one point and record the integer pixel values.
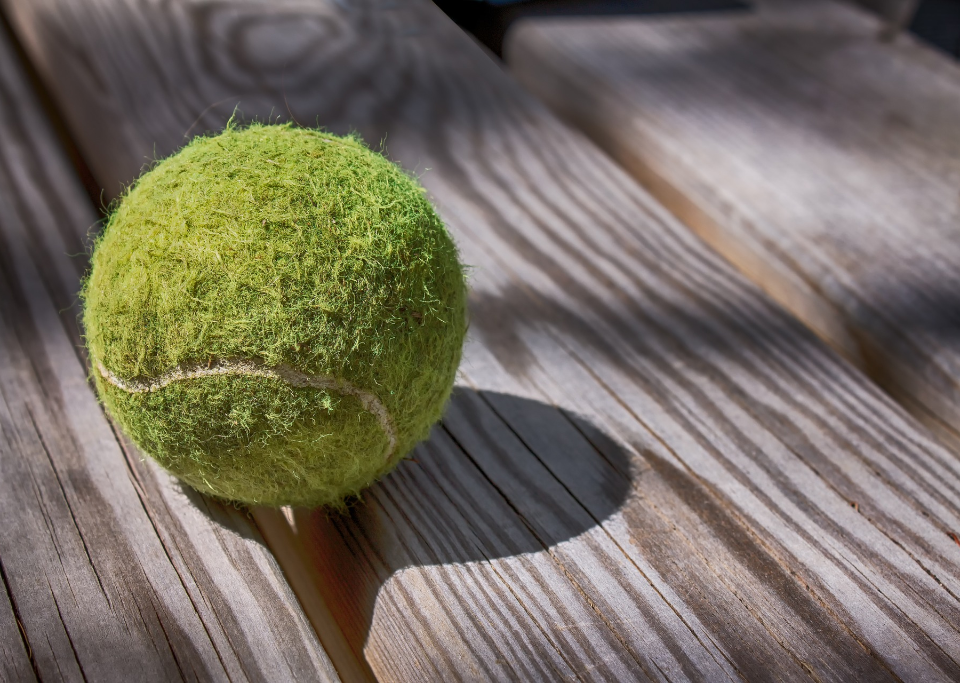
(650, 471)
(822, 161)
(14, 658)
(115, 572)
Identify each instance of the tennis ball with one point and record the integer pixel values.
(275, 315)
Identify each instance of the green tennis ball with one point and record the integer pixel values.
(275, 314)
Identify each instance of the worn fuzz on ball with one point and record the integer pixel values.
(275, 314)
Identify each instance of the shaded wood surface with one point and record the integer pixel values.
(114, 571)
(821, 160)
(649, 470)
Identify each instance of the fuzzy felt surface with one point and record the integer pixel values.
(287, 248)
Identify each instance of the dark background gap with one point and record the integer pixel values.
(938, 23)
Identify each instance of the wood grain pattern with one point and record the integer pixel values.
(649, 470)
(115, 573)
(14, 657)
(820, 160)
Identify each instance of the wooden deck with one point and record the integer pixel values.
(823, 162)
(650, 470)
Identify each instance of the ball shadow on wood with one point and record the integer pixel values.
(501, 476)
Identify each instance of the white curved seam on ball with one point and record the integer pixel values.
(283, 373)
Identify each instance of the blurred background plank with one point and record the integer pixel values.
(821, 160)
(649, 470)
(490, 20)
(115, 572)
(897, 12)
(936, 22)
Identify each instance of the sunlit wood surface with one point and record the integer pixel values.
(112, 571)
(649, 471)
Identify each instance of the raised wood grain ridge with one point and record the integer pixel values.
(111, 571)
(649, 472)
(821, 160)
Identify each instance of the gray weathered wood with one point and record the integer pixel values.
(897, 13)
(115, 572)
(649, 472)
(821, 161)
(14, 658)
